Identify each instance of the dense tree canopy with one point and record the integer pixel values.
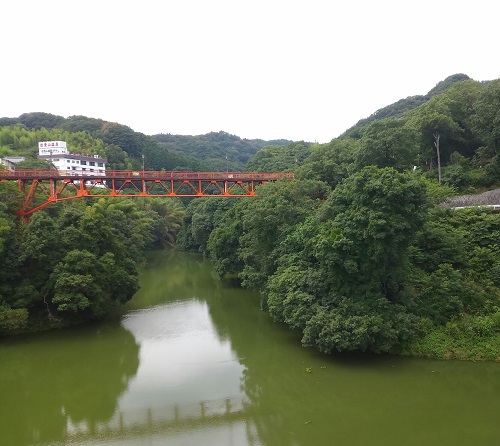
(356, 251)
(330, 162)
(341, 279)
(405, 105)
(388, 143)
(278, 158)
(218, 151)
(125, 148)
(78, 260)
(254, 229)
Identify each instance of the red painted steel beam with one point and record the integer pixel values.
(44, 187)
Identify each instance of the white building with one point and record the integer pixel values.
(10, 161)
(69, 163)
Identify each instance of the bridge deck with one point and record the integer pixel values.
(147, 175)
(44, 187)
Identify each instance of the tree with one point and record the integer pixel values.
(330, 162)
(224, 242)
(202, 216)
(487, 114)
(388, 143)
(278, 158)
(248, 239)
(8, 255)
(434, 122)
(486, 124)
(268, 219)
(341, 276)
(378, 212)
(86, 283)
(166, 217)
(39, 120)
(39, 252)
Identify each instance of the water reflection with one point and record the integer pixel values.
(50, 381)
(301, 397)
(294, 396)
(196, 362)
(181, 360)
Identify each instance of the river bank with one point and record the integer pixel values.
(466, 338)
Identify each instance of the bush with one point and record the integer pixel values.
(467, 337)
(12, 320)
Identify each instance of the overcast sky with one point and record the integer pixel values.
(299, 70)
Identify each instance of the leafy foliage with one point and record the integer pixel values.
(202, 216)
(388, 143)
(403, 106)
(218, 151)
(78, 261)
(377, 265)
(353, 252)
(353, 258)
(278, 158)
(125, 149)
(331, 163)
(248, 239)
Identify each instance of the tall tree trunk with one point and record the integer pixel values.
(437, 136)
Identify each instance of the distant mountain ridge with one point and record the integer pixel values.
(404, 105)
(215, 151)
(213, 147)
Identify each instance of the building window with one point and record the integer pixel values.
(68, 161)
(83, 163)
(92, 163)
(100, 164)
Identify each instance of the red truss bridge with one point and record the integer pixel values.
(44, 187)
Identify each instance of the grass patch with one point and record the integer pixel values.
(467, 338)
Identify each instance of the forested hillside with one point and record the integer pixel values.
(124, 148)
(218, 151)
(452, 137)
(404, 105)
(75, 261)
(356, 252)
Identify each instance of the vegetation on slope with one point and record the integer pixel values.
(355, 252)
(124, 148)
(378, 265)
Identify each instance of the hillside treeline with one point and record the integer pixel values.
(124, 148)
(355, 252)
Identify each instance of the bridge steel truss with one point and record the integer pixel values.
(42, 188)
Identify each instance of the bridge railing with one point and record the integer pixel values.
(140, 174)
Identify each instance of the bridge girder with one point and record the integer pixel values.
(43, 188)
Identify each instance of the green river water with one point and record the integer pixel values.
(193, 361)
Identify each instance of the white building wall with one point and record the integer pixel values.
(68, 163)
(10, 161)
(52, 147)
